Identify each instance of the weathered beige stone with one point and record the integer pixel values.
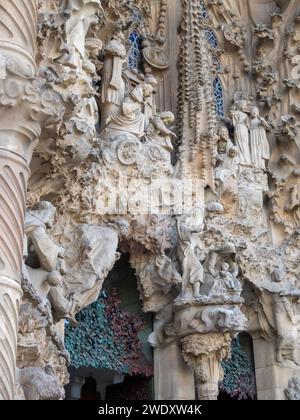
(179, 383)
(207, 204)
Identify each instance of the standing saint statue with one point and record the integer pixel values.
(241, 131)
(260, 149)
(81, 14)
(228, 156)
(112, 85)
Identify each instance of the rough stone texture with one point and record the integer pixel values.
(206, 205)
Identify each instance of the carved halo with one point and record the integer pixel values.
(156, 58)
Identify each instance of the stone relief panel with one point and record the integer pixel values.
(109, 165)
(105, 123)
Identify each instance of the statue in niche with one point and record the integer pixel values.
(192, 269)
(226, 281)
(159, 134)
(241, 124)
(226, 172)
(45, 261)
(259, 144)
(228, 157)
(131, 119)
(222, 272)
(81, 13)
(112, 84)
(228, 276)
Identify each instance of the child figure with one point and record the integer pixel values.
(227, 276)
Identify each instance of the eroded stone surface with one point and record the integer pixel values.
(206, 202)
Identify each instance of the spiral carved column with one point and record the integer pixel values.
(18, 130)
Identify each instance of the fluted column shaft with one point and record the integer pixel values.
(18, 130)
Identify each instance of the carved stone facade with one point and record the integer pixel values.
(97, 159)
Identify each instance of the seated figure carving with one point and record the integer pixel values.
(131, 119)
(45, 261)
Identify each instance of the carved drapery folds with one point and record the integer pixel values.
(207, 210)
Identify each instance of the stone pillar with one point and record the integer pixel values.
(174, 380)
(272, 379)
(18, 130)
(205, 352)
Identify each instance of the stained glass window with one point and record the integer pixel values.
(203, 10)
(211, 37)
(136, 15)
(135, 51)
(135, 40)
(219, 97)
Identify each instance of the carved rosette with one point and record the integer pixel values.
(18, 130)
(205, 352)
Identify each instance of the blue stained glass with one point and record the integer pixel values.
(219, 97)
(203, 10)
(136, 15)
(211, 37)
(135, 51)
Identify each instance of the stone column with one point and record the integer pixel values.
(174, 380)
(272, 378)
(205, 352)
(18, 130)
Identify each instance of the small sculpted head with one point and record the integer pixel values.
(167, 117)
(225, 267)
(243, 106)
(254, 112)
(223, 133)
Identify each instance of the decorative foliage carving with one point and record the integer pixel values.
(205, 353)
